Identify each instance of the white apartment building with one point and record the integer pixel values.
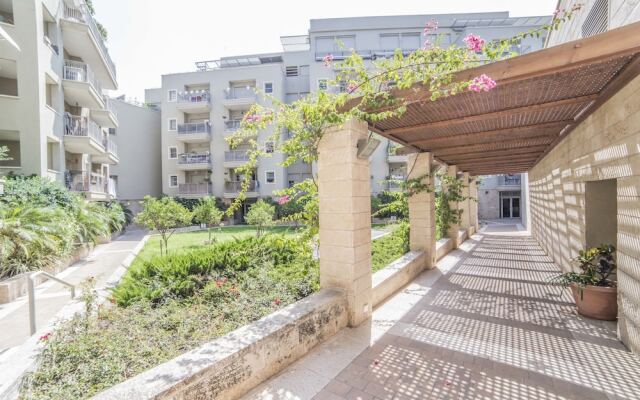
(54, 115)
(200, 108)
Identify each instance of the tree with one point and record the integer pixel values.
(163, 215)
(207, 213)
(4, 153)
(261, 215)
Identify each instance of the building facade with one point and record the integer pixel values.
(501, 196)
(199, 109)
(54, 115)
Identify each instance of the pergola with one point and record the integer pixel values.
(539, 98)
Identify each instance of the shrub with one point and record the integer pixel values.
(261, 215)
(391, 247)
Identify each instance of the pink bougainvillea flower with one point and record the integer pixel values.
(474, 42)
(45, 337)
(253, 118)
(432, 25)
(482, 83)
(284, 200)
(327, 60)
(277, 301)
(351, 87)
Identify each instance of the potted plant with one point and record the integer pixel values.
(594, 292)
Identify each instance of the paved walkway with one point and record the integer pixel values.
(482, 325)
(51, 296)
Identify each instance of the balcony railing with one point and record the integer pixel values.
(194, 128)
(232, 125)
(83, 15)
(75, 125)
(113, 188)
(83, 181)
(235, 187)
(194, 97)
(510, 180)
(111, 146)
(240, 93)
(194, 188)
(109, 106)
(80, 72)
(194, 158)
(236, 155)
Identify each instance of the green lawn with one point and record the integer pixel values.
(192, 240)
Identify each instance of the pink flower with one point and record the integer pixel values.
(474, 42)
(430, 26)
(284, 200)
(253, 118)
(482, 83)
(327, 60)
(45, 337)
(277, 301)
(426, 45)
(351, 87)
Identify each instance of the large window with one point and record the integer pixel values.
(339, 46)
(404, 41)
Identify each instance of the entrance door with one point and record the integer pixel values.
(515, 207)
(506, 207)
(510, 204)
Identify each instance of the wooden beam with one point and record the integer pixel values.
(503, 145)
(505, 156)
(506, 163)
(494, 114)
(496, 153)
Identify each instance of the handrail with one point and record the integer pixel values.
(32, 296)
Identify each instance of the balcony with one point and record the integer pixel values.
(196, 101)
(80, 85)
(82, 136)
(194, 189)
(110, 156)
(509, 182)
(83, 39)
(232, 125)
(194, 161)
(393, 157)
(194, 132)
(235, 158)
(106, 117)
(232, 189)
(239, 98)
(93, 185)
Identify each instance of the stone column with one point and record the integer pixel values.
(345, 218)
(422, 209)
(454, 228)
(465, 205)
(473, 204)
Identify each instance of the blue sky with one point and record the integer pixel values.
(148, 38)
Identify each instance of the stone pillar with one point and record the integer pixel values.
(452, 233)
(422, 209)
(345, 217)
(465, 205)
(473, 204)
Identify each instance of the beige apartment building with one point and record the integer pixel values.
(54, 115)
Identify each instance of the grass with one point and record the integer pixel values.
(192, 240)
(390, 247)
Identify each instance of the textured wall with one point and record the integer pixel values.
(604, 146)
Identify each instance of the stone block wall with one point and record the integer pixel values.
(605, 146)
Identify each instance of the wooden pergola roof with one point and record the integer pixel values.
(539, 98)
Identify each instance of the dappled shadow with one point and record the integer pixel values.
(492, 327)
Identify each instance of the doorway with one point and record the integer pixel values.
(601, 213)
(509, 204)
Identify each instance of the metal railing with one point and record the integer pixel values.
(191, 128)
(232, 125)
(80, 72)
(194, 97)
(108, 103)
(236, 155)
(240, 93)
(31, 295)
(83, 15)
(194, 188)
(75, 125)
(236, 186)
(510, 180)
(113, 188)
(83, 181)
(194, 158)
(111, 146)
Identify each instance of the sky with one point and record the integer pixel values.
(148, 38)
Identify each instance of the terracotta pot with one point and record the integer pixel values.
(597, 302)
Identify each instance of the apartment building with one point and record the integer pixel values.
(54, 115)
(200, 108)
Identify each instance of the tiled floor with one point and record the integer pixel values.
(483, 325)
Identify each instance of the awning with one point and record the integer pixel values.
(539, 99)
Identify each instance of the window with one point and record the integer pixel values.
(322, 84)
(268, 87)
(342, 85)
(172, 96)
(270, 176)
(291, 183)
(173, 181)
(404, 41)
(173, 152)
(339, 46)
(269, 147)
(173, 124)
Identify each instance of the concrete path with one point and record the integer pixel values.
(51, 297)
(483, 325)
